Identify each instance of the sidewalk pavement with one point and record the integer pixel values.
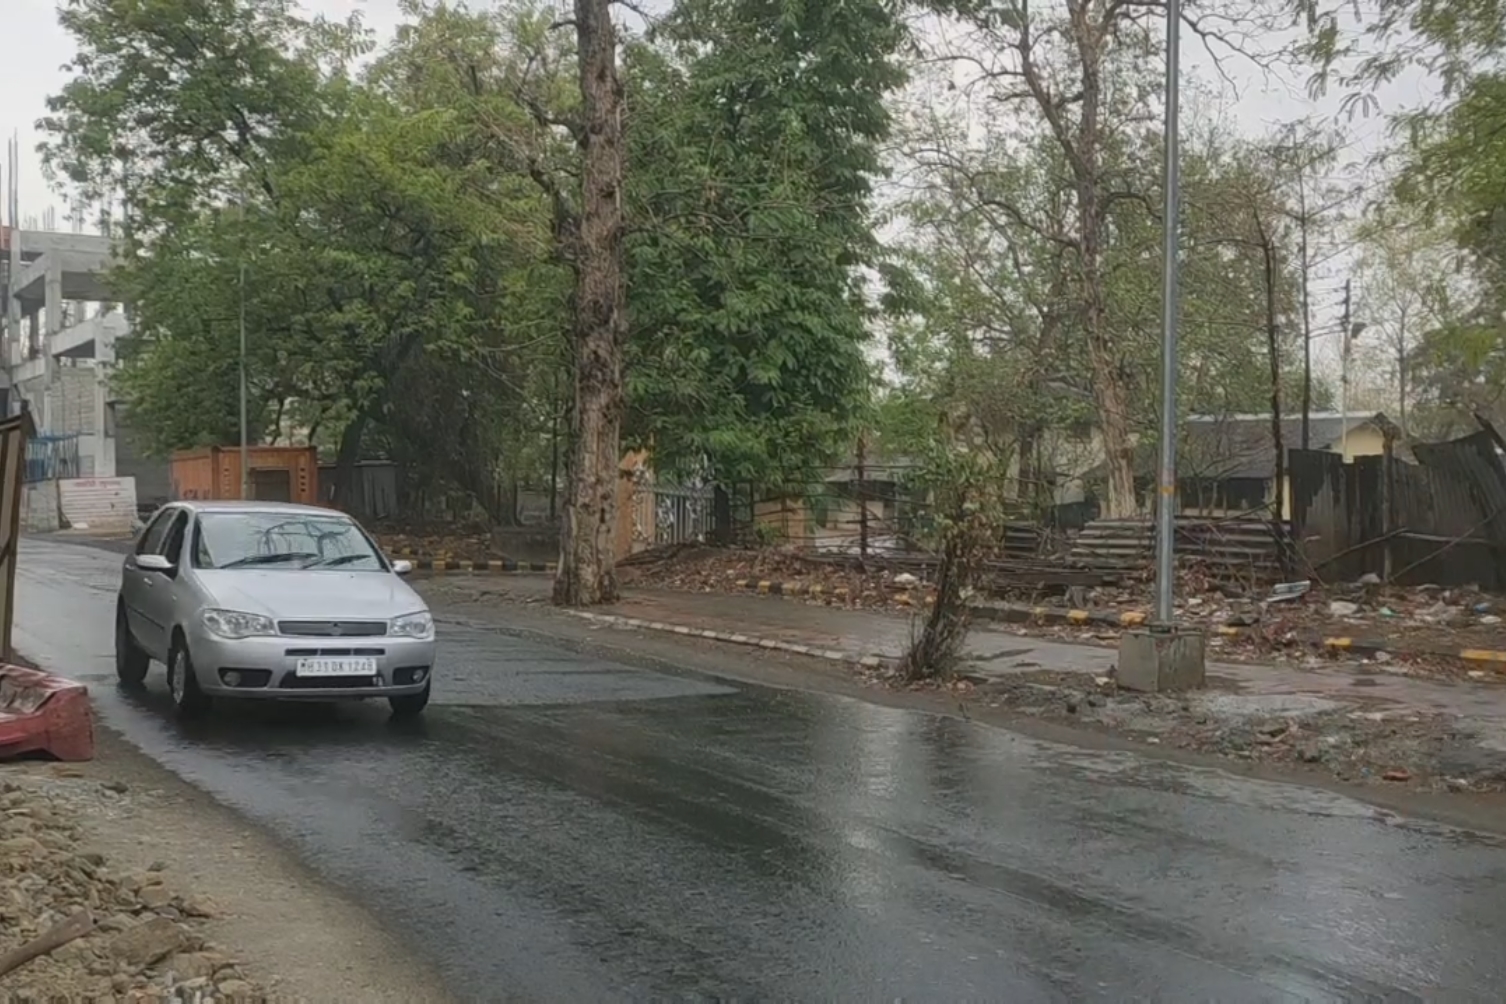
(875, 639)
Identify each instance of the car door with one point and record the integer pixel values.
(136, 585)
(159, 590)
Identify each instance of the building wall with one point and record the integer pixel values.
(72, 401)
(1365, 441)
(39, 507)
(154, 483)
(98, 503)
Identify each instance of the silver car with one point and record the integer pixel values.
(270, 600)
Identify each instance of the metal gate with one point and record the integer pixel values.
(49, 458)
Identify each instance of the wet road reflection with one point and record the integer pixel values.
(566, 828)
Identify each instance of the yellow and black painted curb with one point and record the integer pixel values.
(1361, 646)
(484, 566)
(766, 587)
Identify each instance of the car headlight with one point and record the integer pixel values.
(235, 624)
(419, 625)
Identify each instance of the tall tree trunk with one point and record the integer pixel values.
(1273, 352)
(1109, 391)
(1108, 375)
(1401, 370)
(346, 458)
(587, 572)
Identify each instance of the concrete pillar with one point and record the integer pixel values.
(52, 308)
(104, 428)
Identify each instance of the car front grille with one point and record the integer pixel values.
(291, 682)
(333, 629)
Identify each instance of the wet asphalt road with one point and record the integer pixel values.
(564, 828)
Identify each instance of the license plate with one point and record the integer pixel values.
(336, 667)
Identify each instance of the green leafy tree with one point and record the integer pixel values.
(755, 130)
(993, 240)
(372, 227)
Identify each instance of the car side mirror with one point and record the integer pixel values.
(153, 563)
(402, 567)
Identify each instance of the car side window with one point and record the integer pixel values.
(172, 545)
(151, 538)
(201, 555)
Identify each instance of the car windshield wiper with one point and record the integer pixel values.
(339, 559)
(269, 559)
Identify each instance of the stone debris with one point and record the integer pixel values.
(1354, 743)
(1274, 625)
(146, 945)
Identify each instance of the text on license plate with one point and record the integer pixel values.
(329, 666)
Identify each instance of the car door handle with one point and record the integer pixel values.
(146, 580)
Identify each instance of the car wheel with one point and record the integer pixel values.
(409, 705)
(131, 663)
(182, 684)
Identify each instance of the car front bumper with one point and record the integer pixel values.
(268, 667)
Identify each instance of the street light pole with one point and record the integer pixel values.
(1170, 214)
(245, 442)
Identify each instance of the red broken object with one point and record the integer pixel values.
(1397, 774)
(46, 713)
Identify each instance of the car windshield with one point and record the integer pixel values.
(282, 540)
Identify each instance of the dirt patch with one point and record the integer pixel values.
(232, 916)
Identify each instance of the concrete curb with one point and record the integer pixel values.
(736, 638)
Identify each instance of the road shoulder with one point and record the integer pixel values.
(284, 928)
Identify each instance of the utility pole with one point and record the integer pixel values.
(1164, 656)
(1344, 378)
(245, 441)
(862, 495)
(1307, 331)
(1171, 216)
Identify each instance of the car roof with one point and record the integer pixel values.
(244, 506)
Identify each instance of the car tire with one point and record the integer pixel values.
(131, 663)
(188, 700)
(409, 705)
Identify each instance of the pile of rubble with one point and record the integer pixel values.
(1267, 621)
(1355, 743)
(81, 930)
(720, 570)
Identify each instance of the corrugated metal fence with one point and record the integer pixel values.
(1441, 520)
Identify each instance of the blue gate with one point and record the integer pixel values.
(50, 457)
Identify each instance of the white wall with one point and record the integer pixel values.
(98, 503)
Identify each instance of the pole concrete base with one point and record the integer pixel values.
(1153, 660)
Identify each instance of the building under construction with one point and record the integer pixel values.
(57, 354)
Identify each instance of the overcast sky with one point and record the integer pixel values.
(37, 48)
